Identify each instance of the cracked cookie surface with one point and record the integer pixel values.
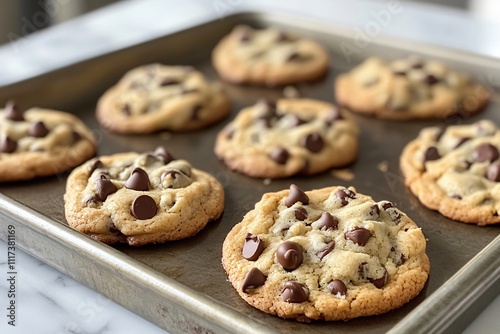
(325, 254)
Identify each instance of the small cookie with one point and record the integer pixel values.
(326, 254)
(41, 142)
(293, 136)
(456, 171)
(409, 88)
(141, 198)
(156, 97)
(269, 57)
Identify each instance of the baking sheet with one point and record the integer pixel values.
(187, 275)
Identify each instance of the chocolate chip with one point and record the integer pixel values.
(431, 153)
(493, 172)
(461, 141)
(126, 110)
(401, 73)
(253, 247)
(195, 113)
(313, 142)
(387, 205)
(8, 145)
(12, 112)
(417, 65)
(268, 106)
(379, 282)
(97, 164)
(169, 82)
(430, 80)
(164, 154)
(362, 268)
(296, 195)
(253, 279)
(279, 155)
(333, 116)
(138, 180)
(282, 37)
(143, 207)
(289, 255)
(301, 213)
(104, 188)
(337, 287)
(75, 136)
(294, 292)
(327, 222)
(296, 121)
(485, 152)
(374, 211)
(329, 247)
(456, 196)
(358, 235)
(38, 130)
(344, 195)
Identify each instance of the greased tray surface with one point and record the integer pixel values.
(195, 262)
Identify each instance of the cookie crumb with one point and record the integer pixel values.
(343, 174)
(383, 166)
(266, 181)
(291, 92)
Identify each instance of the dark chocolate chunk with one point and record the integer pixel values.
(294, 292)
(296, 195)
(362, 268)
(38, 130)
(358, 235)
(379, 282)
(485, 152)
(430, 80)
(301, 213)
(329, 247)
(195, 113)
(493, 172)
(169, 82)
(138, 180)
(296, 121)
(143, 207)
(313, 142)
(374, 211)
(97, 164)
(431, 153)
(164, 154)
(253, 247)
(344, 195)
(253, 279)
(456, 196)
(387, 205)
(327, 222)
(104, 188)
(279, 155)
(8, 145)
(12, 112)
(337, 287)
(289, 255)
(333, 116)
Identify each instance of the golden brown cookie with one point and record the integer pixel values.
(329, 254)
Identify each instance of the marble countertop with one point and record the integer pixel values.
(49, 301)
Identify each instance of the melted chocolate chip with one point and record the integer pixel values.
(301, 213)
(387, 205)
(104, 188)
(279, 155)
(143, 207)
(461, 141)
(294, 292)
(485, 152)
(431, 154)
(7, 145)
(253, 279)
(12, 112)
(327, 222)
(253, 247)
(313, 142)
(164, 154)
(493, 172)
(329, 247)
(38, 129)
(97, 164)
(344, 195)
(296, 195)
(337, 287)
(169, 82)
(374, 211)
(138, 180)
(358, 235)
(289, 255)
(379, 282)
(430, 80)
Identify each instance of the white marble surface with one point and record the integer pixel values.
(50, 302)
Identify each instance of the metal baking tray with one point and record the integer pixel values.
(181, 286)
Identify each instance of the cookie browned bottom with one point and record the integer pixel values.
(337, 257)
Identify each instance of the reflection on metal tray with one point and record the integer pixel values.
(181, 286)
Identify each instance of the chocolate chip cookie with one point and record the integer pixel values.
(141, 198)
(409, 88)
(291, 136)
(327, 254)
(268, 57)
(456, 171)
(156, 97)
(41, 142)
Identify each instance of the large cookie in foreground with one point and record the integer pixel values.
(156, 97)
(456, 171)
(293, 136)
(141, 198)
(41, 142)
(268, 57)
(409, 88)
(327, 254)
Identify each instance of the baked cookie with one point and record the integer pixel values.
(456, 171)
(141, 198)
(41, 142)
(268, 57)
(156, 97)
(328, 254)
(409, 88)
(293, 136)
